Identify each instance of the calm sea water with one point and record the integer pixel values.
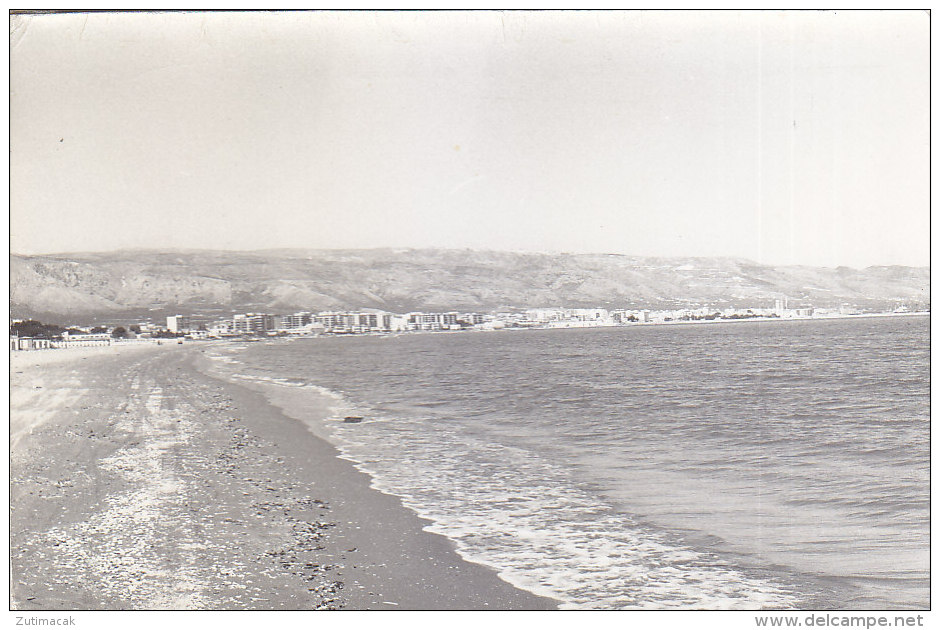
(732, 465)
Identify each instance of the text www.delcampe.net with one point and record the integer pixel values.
(839, 621)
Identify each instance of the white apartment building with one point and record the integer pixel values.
(178, 323)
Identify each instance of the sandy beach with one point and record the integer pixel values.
(140, 482)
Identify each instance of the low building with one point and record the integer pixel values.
(32, 343)
(103, 336)
(313, 328)
(83, 340)
(220, 329)
(543, 315)
(28, 343)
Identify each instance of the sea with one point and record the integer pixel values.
(733, 465)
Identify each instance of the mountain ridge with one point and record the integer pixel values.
(146, 283)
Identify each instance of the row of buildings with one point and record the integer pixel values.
(335, 322)
(358, 322)
(71, 340)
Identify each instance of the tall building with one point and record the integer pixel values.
(178, 323)
(297, 320)
(334, 321)
(471, 318)
(248, 323)
(367, 320)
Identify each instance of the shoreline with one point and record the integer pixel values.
(295, 402)
(118, 347)
(321, 518)
(396, 333)
(152, 485)
(704, 322)
(280, 392)
(395, 532)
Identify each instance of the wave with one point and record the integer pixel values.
(510, 509)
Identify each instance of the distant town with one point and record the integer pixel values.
(33, 335)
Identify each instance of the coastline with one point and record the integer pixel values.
(148, 484)
(287, 382)
(577, 325)
(236, 480)
(730, 321)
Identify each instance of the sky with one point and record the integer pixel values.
(784, 137)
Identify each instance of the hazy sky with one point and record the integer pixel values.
(795, 137)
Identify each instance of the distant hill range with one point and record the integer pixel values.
(141, 284)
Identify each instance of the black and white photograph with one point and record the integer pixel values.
(508, 310)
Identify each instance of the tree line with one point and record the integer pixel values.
(38, 330)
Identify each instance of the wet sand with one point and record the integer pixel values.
(139, 482)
